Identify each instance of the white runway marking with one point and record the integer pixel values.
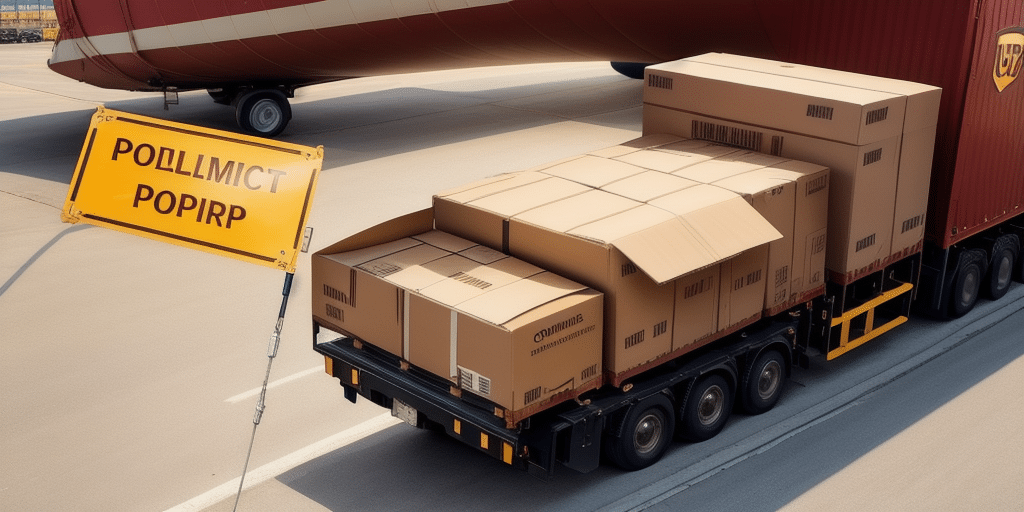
(272, 469)
(254, 392)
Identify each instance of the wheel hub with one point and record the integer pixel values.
(711, 405)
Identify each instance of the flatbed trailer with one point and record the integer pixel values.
(973, 247)
(755, 360)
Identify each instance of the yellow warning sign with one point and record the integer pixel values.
(221, 192)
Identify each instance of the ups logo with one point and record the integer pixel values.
(1009, 56)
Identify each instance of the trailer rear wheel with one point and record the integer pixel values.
(762, 383)
(645, 434)
(1000, 274)
(706, 409)
(967, 283)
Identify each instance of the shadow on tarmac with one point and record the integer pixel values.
(352, 128)
(402, 469)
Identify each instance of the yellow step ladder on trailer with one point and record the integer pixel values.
(857, 326)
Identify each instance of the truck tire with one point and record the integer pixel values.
(762, 383)
(644, 436)
(967, 283)
(1000, 272)
(706, 409)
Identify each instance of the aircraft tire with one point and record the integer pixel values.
(263, 112)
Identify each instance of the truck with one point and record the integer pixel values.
(970, 246)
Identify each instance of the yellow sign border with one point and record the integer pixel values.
(71, 214)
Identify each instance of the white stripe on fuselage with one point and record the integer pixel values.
(323, 14)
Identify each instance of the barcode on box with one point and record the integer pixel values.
(820, 112)
(876, 116)
(661, 82)
(746, 139)
(865, 242)
(912, 223)
(872, 156)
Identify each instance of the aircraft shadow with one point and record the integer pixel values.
(405, 469)
(352, 128)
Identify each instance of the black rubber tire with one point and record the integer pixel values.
(634, 70)
(762, 383)
(263, 112)
(967, 284)
(706, 409)
(1000, 274)
(645, 434)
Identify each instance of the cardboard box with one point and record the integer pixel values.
(913, 182)
(524, 360)
(774, 198)
(481, 213)
(496, 326)
(810, 226)
(917, 149)
(825, 110)
(713, 212)
(862, 186)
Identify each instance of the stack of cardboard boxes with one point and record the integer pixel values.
(492, 325)
(875, 134)
(688, 240)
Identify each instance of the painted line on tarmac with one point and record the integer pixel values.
(253, 392)
(666, 488)
(290, 461)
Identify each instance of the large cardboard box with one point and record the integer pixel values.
(810, 226)
(713, 212)
(480, 213)
(917, 149)
(775, 199)
(862, 187)
(825, 110)
(493, 325)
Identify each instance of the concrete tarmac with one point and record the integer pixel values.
(129, 366)
(120, 353)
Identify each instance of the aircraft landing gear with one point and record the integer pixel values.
(262, 112)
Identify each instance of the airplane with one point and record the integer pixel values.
(254, 54)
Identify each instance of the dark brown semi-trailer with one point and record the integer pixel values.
(973, 51)
(972, 246)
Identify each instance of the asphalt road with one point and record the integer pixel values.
(129, 366)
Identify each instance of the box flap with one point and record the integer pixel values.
(710, 171)
(566, 214)
(507, 302)
(483, 254)
(593, 171)
(396, 262)
(446, 241)
(664, 161)
(657, 241)
(721, 218)
(488, 186)
(359, 256)
(648, 185)
(476, 280)
(394, 229)
(526, 197)
(418, 277)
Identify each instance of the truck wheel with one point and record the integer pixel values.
(1000, 274)
(264, 112)
(706, 409)
(762, 383)
(644, 436)
(967, 283)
